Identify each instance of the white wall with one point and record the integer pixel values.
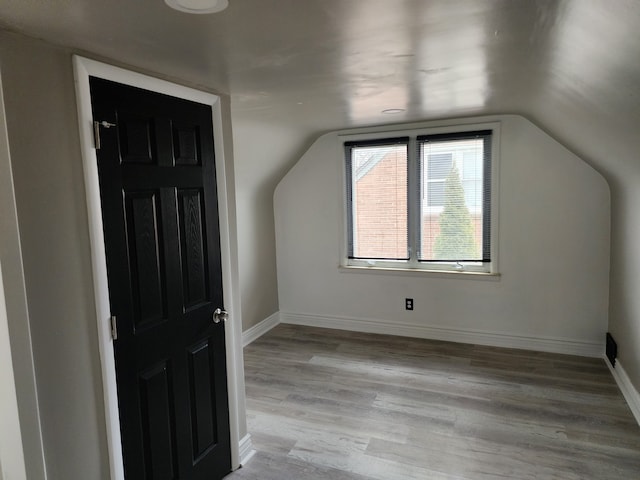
(16, 300)
(605, 133)
(625, 278)
(553, 255)
(11, 453)
(263, 152)
(49, 193)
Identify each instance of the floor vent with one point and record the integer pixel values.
(612, 350)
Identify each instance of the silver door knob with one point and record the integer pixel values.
(220, 315)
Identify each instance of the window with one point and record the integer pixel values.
(378, 190)
(420, 201)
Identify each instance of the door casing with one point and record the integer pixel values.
(241, 448)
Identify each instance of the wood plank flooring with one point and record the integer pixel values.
(329, 404)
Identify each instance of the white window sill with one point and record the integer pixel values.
(468, 275)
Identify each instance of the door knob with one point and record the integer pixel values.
(220, 315)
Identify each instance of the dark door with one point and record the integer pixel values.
(159, 206)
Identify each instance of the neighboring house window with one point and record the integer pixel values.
(438, 167)
(421, 201)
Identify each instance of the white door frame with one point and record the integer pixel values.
(241, 449)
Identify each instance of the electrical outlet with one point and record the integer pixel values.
(408, 303)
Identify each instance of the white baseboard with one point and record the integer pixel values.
(494, 339)
(629, 392)
(245, 450)
(255, 332)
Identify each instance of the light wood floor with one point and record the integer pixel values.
(328, 404)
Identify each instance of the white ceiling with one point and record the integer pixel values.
(329, 64)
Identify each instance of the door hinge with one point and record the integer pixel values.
(114, 327)
(96, 131)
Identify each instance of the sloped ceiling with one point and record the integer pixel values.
(570, 65)
(295, 69)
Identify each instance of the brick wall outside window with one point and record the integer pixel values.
(381, 205)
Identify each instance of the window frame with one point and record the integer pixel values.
(414, 218)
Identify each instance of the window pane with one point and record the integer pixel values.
(435, 194)
(472, 165)
(379, 202)
(453, 232)
(439, 166)
(473, 194)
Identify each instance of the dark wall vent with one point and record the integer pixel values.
(612, 349)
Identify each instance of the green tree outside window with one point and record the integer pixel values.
(456, 238)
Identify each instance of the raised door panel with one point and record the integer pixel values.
(158, 423)
(192, 246)
(144, 238)
(202, 396)
(136, 137)
(186, 145)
